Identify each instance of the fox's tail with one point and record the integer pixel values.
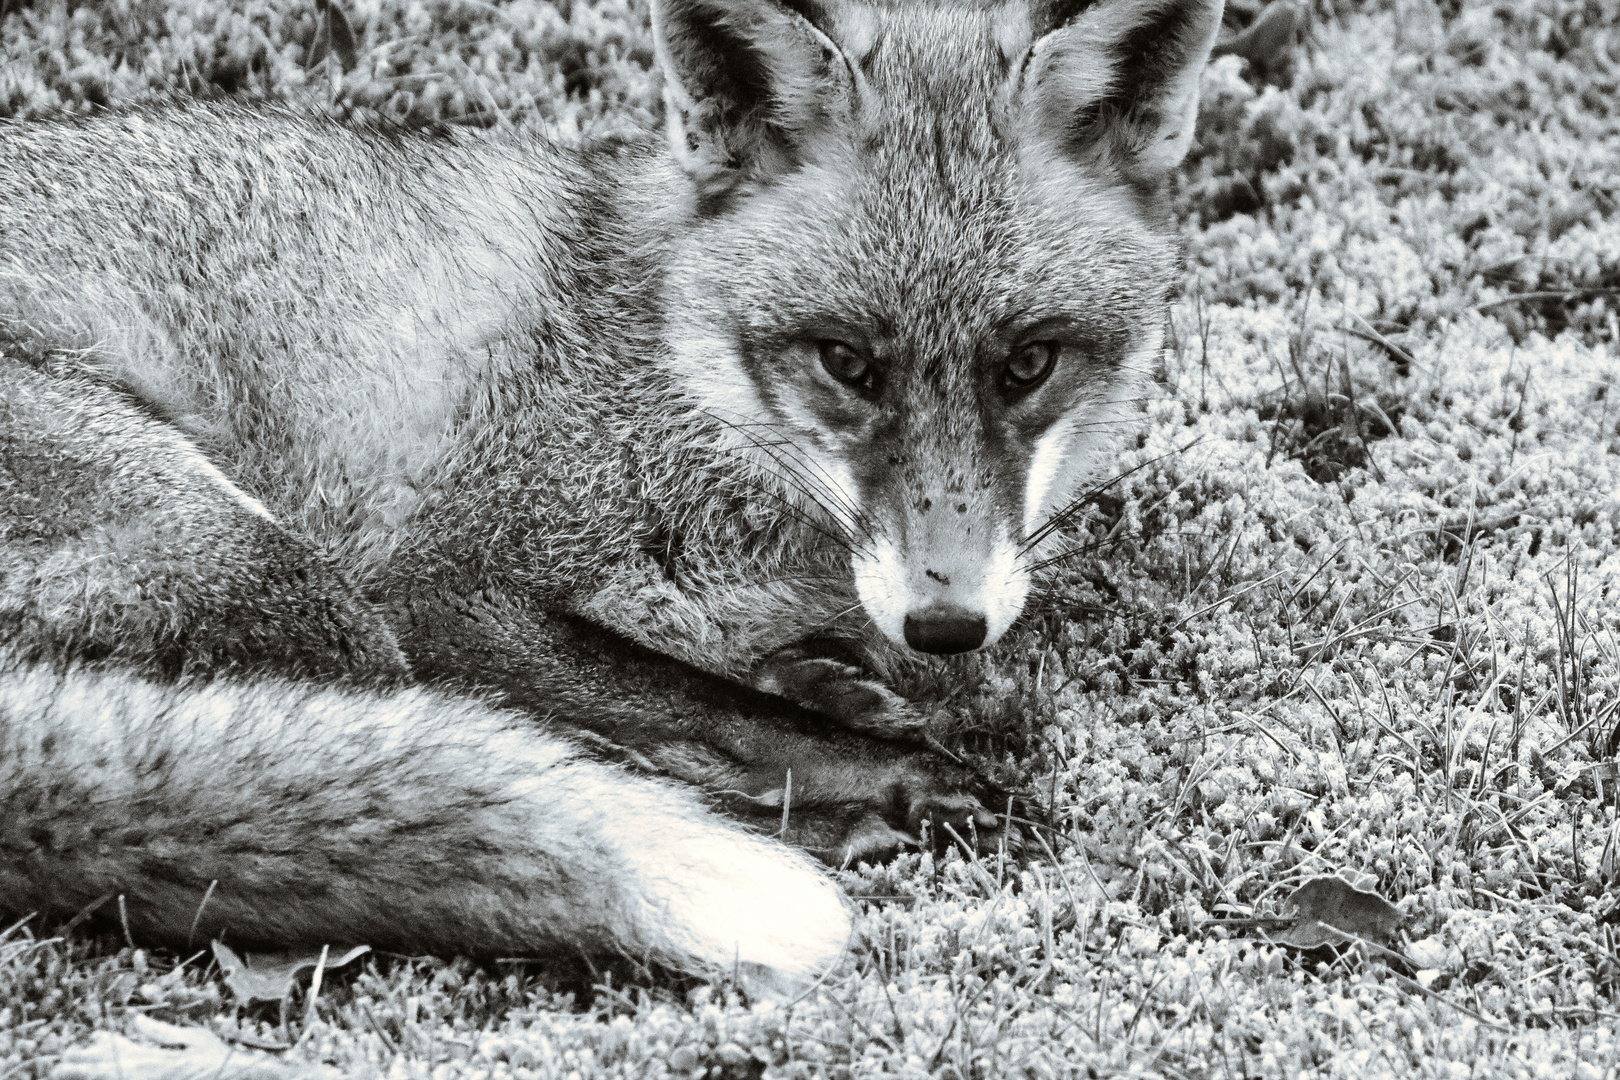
(411, 820)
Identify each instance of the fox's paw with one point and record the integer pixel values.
(939, 822)
(871, 811)
(836, 689)
(947, 805)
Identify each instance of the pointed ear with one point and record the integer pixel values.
(747, 83)
(1119, 77)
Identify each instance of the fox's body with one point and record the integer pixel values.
(435, 355)
(285, 398)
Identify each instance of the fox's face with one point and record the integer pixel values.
(925, 283)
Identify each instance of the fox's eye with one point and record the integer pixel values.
(844, 363)
(1029, 365)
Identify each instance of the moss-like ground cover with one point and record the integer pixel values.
(1346, 607)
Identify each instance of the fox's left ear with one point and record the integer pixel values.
(1119, 77)
(747, 84)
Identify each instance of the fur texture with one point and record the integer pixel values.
(945, 186)
(288, 400)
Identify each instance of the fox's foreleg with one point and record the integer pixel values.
(803, 637)
(410, 820)
(851, 795)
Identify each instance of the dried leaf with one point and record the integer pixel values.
(270, 976)
(334, 35)
(1430, 952)
(1328, 910)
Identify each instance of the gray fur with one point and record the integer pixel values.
(284, 399)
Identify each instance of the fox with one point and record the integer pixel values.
(475, 543)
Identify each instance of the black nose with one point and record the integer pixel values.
(944, 630)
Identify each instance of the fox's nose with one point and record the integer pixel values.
(944, 628)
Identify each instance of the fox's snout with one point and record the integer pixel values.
(945, 629)
(944, 578)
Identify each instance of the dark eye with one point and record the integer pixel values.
(1029, 365)
(846, 364)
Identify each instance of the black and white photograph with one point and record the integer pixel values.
(743, 539)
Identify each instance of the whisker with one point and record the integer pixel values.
(830, 620)
(1070, 553)
(857, 514)
(792, 510)
(829, 497)
(799, 460)
(790, 477)
(854, 513)
(1111, 540)
(1062, 517)
(797, 514)
(791, 480)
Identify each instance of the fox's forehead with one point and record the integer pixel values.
(942, 246)
(930, 218)
(919, 265)
(885, 38)
(913, 58)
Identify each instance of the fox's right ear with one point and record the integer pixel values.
(746, 83)
(1119, 77)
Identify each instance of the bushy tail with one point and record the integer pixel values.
(411, 820)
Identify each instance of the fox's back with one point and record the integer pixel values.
(328, 311)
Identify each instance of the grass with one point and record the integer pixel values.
(1347, 606)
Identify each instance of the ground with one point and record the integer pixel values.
(1342, 607)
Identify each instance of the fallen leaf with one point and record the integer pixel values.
(270, 976)
(1328, 910)
(334, 35)
(1429, 952)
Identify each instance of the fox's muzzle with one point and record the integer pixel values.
(945, 578)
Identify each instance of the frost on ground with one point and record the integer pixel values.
(1344, 607)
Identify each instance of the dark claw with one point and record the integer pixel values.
(837, 690)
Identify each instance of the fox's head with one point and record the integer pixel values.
(927, 263)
